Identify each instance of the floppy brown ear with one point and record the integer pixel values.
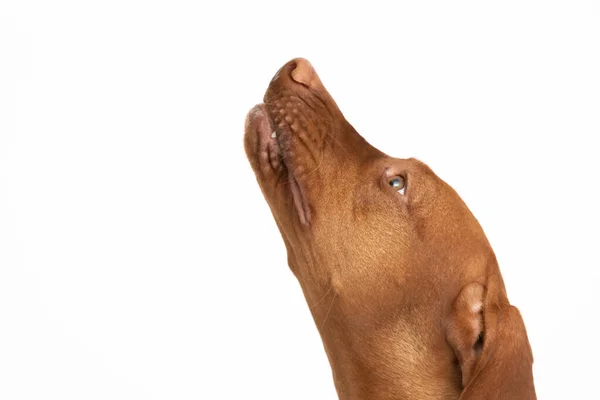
(490, 342)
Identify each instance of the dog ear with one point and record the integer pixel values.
(490, 342)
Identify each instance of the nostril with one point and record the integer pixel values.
(287, 69)
(291, 67)
(298, 70)
(303, 72)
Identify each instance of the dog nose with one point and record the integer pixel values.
(303, 72)
(298, 70)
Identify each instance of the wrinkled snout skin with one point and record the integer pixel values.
(392, 278)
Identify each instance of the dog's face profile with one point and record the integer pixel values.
(395, 268)
(350, 215)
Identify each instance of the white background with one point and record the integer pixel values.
(138, 259)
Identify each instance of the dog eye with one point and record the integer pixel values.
(398, 183)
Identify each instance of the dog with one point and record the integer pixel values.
(400, 278)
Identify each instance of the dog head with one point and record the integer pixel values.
(351, 215)
(385, 238)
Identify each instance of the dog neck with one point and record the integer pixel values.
(387, 357)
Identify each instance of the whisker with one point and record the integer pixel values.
(328, 311)
(322, 298)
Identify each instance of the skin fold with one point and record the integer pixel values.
(400, 279)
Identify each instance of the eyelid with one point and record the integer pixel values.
(391, 172)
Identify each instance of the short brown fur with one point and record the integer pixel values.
(404, 289)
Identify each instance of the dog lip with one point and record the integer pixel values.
(280, 133)
(263, 145)
(287, 111)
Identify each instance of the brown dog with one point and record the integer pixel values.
(401, 281)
